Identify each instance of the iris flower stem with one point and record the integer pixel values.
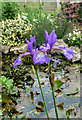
(42, 93)
(52, 86)
(55, 103)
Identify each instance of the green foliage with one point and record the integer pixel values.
(57, 84)
(62, 29)
(49, 22)
(8, 83)
(10, 10)
(74, 39)
(13, 31)
(38, 31)
(35, 14)
(61, 25)
(28, 89)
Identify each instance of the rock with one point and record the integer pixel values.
(76, 53)
(60, 42)
(5, 49)
(19, 49)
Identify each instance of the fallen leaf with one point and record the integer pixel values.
(37, 93)
(57, 84)
(60, 104)
(40, 106)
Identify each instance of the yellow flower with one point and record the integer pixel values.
(11, 44)
(70, 34)
(15, 43)
(73, 38)
(8, 43)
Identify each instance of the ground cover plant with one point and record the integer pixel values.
(13, 31)
(74, 39)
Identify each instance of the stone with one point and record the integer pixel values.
(19, 49)
(60, 42)
(5, 49)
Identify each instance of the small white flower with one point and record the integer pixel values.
(74, 32)
(70, 34)
(79, 32)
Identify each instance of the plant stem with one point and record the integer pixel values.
(67, 116)
(55, 103)
(42, 93)
(51, 79)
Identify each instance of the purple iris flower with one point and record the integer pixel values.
(39, 57)
(52, 38)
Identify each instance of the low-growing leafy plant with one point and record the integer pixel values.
(74, 39)
(13, 31)
(10, 10)
(8, 83)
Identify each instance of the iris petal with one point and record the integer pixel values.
(46, 38)
(69, 53)
(32, 39)
(18, 61)
(52, 38)
(30, 47)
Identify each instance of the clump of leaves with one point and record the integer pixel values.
(10, 10)
(35, 14)
(13, 31)
(74, 39)
(8, 83)
(8, 89)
